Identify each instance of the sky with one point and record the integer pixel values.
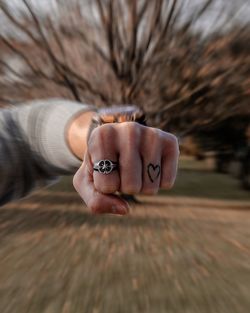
(206, 24)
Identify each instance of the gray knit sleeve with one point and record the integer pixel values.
(33, 149)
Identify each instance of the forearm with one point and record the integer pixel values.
(39, 142)
(47, 128)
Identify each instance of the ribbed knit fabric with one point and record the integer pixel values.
(33, 148)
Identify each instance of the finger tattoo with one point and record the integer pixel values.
(153, 171)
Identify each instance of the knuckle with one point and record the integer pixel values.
(153, 136)
(106, 185)
(100, 135)
(150, 138)
(149, 191)
(132, 131)
(106, 131)
(131, 189)
(154, 132)
(106, 189)
(93, 136)
(172, 142)
(167, 185)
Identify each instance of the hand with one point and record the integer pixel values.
(147, 159)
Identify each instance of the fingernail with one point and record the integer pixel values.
(119, 210)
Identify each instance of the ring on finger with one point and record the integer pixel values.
(105, 166)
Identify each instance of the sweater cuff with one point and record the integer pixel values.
(44, 123)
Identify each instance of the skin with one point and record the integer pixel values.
(147, 158)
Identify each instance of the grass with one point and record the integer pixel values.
(205, 184)
(194, 179)
(171, 254)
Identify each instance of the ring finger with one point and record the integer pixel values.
(151, 155)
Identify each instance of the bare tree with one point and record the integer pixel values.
(129, 51)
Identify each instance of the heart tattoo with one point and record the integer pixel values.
(153, 172)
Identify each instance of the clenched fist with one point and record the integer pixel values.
(128, 158)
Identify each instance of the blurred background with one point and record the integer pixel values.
(187, 65)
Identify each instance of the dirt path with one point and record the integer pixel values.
(169, 255)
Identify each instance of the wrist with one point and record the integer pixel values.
(77, 133)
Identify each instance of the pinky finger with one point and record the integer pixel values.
(170, 159)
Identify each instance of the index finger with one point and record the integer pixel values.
(96, 201)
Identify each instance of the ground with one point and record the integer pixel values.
(171, 254)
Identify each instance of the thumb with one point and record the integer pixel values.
(97, 202)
